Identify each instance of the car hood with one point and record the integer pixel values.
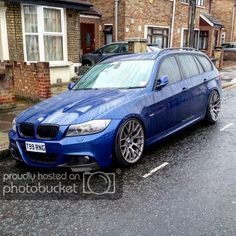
(79, 106)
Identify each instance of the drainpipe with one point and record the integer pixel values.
(173, 23)
(233, 23)
(116, 19)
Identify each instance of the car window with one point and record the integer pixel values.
(113, 48)
(119, 74)
(124, 48)
(206, 64)
(199, 66)
(188, 65)
(170, 67)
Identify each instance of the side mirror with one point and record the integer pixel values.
(163, 81)
(71, 85)
(100, 52)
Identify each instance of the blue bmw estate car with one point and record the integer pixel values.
(118, 108)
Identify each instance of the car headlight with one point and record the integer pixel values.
(14, 124)
(90, 127)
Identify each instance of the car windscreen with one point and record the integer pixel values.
(122, 74)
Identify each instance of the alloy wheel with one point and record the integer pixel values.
(131, 141)
(215, 106)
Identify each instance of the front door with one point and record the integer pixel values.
(87, 38)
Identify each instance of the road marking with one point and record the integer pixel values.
(156, 169)
(227, 126)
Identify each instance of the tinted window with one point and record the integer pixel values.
(206, 64)
(124, 48)
(114, 48)
(199, 66)
(188, 65)
(170, 67)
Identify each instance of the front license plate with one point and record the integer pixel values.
(35, 147)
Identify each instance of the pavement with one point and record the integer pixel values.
(228, 75)
(194, 194)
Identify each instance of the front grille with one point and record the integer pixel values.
(47, 131)
(27, 130)
(42, 158)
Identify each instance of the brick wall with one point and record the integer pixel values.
(229, 55)
(141, 13)
(73, 35)
(24, 80)
(7, 95)
(32, 80)
(14, 31)
(224, 13)
(135, 15)
(107, 8)
(96, 23)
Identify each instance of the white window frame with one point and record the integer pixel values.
(182, 36)
(199, 3)
(4, 54)
(156, 26)
(41, 33)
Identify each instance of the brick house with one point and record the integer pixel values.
(37, 33)
(154, 21)
(225, 12)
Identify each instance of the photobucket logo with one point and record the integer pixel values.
(38, 188)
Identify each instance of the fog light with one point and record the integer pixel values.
(79, 160)
(15, 154)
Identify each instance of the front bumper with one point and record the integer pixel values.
(84, 152)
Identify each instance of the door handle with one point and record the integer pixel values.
(205, 80)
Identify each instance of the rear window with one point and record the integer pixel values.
(200, 68)
(206, 64)
(188, 65)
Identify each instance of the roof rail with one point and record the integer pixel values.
(181, 48)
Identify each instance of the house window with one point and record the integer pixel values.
(158, 37)
(203, 40)
(196, 38)
(198, 2)
(44, 33)
(108, 33)
(184, 1)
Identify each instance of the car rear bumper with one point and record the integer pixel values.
(80, 152)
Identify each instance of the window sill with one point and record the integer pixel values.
(187, 4)
(60, 64)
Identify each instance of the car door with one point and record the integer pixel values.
(171, 103)
(195, 78)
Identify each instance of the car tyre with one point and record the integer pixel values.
(129, 143)
(213, 108)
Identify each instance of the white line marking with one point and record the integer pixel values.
(156, 169)
(227, 126)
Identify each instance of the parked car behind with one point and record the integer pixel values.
(118, 108)
(105, 51)
(229, 46)
(110, 50)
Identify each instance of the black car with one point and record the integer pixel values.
(105, 51)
